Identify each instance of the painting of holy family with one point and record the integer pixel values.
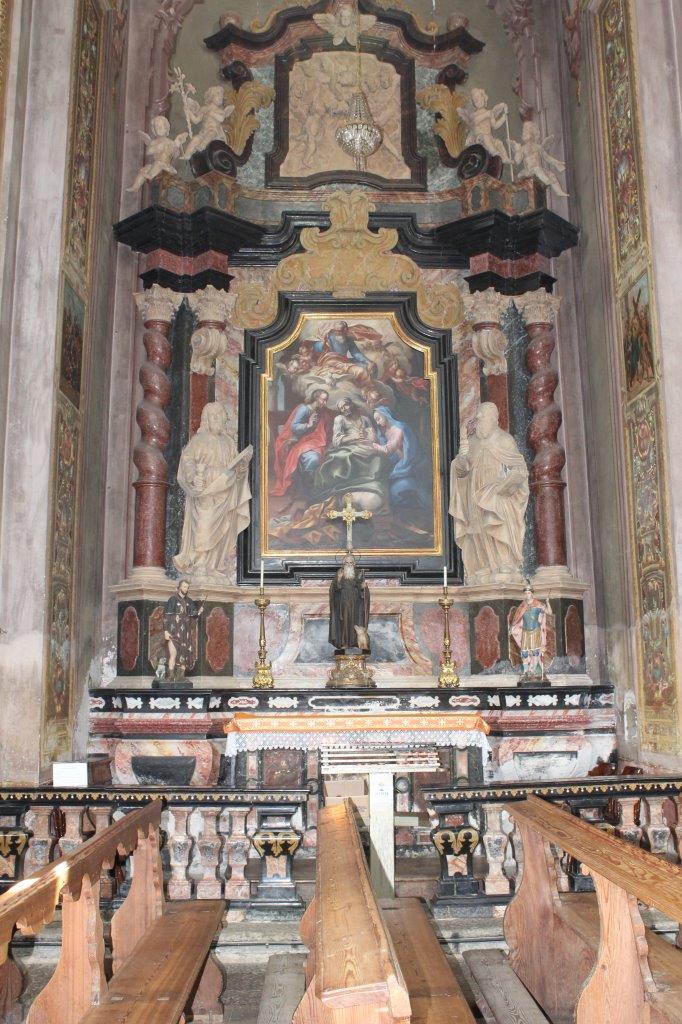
(349, 405)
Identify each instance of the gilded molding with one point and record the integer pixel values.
(348, 260)
(447, 124)
(243, 122)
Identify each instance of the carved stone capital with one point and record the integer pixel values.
(157, 303)
(485, 307)
(538, 307)
(210, 304)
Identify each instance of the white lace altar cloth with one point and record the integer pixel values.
(313, 732)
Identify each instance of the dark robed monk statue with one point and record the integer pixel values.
(349, 609)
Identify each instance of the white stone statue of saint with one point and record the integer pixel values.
(482, 121)
(488, 500)
(214, 477)
(535, 161)
(210, 116)
(161, 151)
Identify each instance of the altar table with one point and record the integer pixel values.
(370, 733)
(312, 732)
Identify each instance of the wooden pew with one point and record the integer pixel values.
(369, 963)
(160, 951)
(588, 957)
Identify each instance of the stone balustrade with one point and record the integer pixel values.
(211, 836)
(480, 851)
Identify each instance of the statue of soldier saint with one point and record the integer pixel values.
(349, 610)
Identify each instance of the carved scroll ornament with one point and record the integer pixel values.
(348, 260)
(447, 125)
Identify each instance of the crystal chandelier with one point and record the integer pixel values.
(360, 136)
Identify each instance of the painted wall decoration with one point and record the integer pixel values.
(71, 357)
(71, 345)
(621, 128)
(59, 610)
(638, 345)
(348, 406)
(638, 355)
(84, 100)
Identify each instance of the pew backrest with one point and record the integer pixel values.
(30, 904)
(654, 881)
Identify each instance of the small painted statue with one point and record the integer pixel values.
(178, 614)
(529, 629)
(161, 150)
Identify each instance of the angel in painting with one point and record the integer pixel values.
(161, 150)
(535, 161)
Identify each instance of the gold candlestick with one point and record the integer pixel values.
(262, 677)
(448, 678)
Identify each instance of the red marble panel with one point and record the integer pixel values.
(218, 640)
(430, 632)
(198, 398)
(485, 261)
(487, 636)
(161, 259)
(283, 768)
(130, 638)
(573, 631)
(498, 393)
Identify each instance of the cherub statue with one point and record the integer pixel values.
(342, 26)
(162, 150)
(482, 122)
(210, 117)
(535, 160)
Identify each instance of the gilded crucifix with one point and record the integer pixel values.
(349, 516)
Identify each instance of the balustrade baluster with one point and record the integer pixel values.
(209, 844)
(495, 842)
(180, 846)
(42, 843)
(236, 886)
(628, 828)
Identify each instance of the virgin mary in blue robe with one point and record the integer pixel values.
(406, 484)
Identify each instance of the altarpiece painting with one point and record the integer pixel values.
(351, 399)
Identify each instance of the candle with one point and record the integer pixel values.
(445, 577)
(261, 573)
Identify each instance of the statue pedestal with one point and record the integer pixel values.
(351, 671)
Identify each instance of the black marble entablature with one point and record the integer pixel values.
(503, 235)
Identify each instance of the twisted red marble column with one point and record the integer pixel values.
(539, 311)
(157, 306)
(208, 344)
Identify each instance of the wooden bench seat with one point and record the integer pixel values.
(588, 957)
(155, 983)
(435, 995)
(369, 963)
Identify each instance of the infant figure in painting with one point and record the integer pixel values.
(349, 609)
(535, 161)
(214, 477)
(161, 150)
(488, 499)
